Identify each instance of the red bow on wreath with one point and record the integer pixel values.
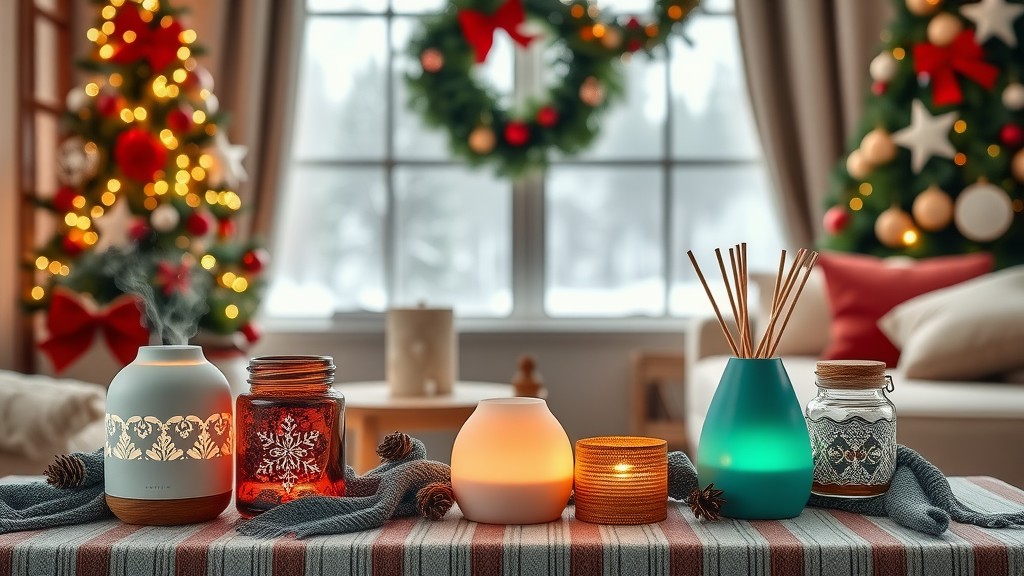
(479, 28)
(72, 329)
(942, 63)
(158, 45)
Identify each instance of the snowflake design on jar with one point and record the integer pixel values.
(288, 454)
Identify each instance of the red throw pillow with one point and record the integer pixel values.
(862, 289)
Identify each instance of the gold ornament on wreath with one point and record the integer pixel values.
(516, 140)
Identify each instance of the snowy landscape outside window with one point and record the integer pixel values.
(376, 213)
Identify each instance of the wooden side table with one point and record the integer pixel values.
(371, 412)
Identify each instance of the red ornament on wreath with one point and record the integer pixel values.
(64, 199)
(179, 119)
(255, 260)
(517, 133)
(139, 155)
(432, 60)
(198, 224)
(547, 117)
(835, 220)
(1012, 135)
(879, 88)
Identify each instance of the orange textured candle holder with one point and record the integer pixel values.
(621, 480)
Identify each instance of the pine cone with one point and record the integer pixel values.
(394, 447)
(707, 503)
(67, 471)
(435, 500)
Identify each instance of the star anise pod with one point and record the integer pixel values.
(434, 500)
(67, 471)
(707, 503)
(394, 447)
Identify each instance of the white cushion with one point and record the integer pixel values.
(970, 331)
(918, 398)
(42, 416)
(808, 330)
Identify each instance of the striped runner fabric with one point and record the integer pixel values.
(818, 542)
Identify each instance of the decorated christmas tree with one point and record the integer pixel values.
(937, 166)
(148, 183)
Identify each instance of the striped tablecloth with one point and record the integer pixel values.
(818, 542)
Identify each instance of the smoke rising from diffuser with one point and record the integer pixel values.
(175, 316)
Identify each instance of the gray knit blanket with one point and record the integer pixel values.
(919, 496)
(38, 505)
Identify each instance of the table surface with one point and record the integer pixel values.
(818, 542)
(377, 395)
(371, 412)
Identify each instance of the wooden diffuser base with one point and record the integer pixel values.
(168, 512)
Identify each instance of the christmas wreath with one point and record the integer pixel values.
(481, 129)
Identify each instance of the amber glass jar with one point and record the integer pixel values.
(852, 425)
(291, 433)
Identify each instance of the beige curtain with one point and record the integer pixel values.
(806, 66)
(252, 53)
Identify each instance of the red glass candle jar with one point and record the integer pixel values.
(291, 433)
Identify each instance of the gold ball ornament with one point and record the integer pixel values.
(591, 92)
(944, 28)
(923, 7)
(933, 209)
(612, 39)
(891, 225)
(1017, 166)
(877, 147)
(857, 165)
(482, 140)
(432, 60)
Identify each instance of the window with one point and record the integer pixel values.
(376, 213)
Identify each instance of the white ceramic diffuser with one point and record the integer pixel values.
(169, 438)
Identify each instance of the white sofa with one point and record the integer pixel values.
(964, 428)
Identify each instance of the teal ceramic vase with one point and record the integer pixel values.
(754, 444)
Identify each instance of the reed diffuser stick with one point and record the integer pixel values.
(782, 306)
(807, 274)
(725, 329)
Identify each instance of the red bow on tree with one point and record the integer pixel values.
(942, 63)
(158, 45)
(478, 27)
(72, 329)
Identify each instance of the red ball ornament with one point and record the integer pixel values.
(225, 228)
(139, 154)
(835, 220)
(255, 260)
(71, 247)
(634, 45)
(138, 230)
(1012, 135)
(179, 119)
(251, 332)
(878, 88)
(64, 199)
(517, 133)
(198, 224)
(633, 23)
(108, 104)
(547, 117)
